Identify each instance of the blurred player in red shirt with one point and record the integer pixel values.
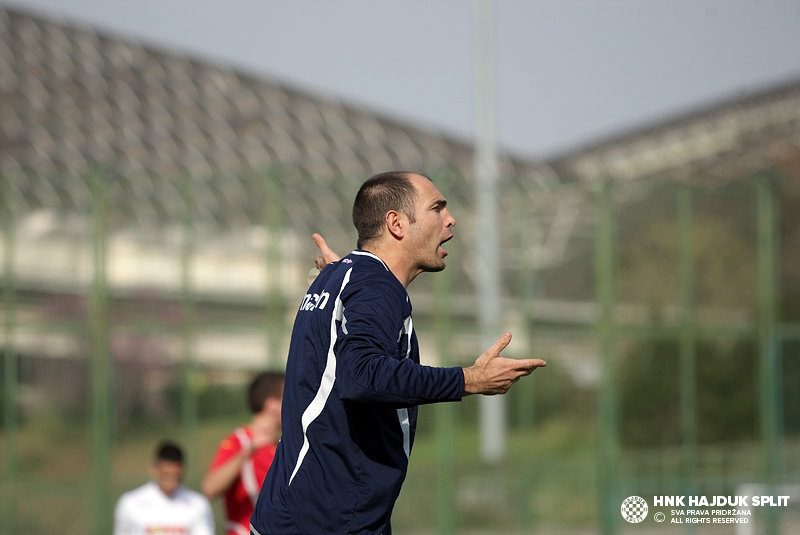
(244, 456)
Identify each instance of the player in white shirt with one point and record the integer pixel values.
(163, 506)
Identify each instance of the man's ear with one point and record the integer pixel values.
(395, 223)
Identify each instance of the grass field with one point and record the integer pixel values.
(546, 485)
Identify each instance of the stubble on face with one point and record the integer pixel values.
(431, 227)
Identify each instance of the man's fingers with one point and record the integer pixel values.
(328, 255)
(321, 243)
(530, 364)
(326, 251)
(527, 366)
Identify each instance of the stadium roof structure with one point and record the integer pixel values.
(727, 141)
(75, 102)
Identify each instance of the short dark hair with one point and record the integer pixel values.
(169, 451)
(263, 386)
(377, 196)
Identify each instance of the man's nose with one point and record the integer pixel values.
(450, 221)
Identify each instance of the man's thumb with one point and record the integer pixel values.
(502, 342)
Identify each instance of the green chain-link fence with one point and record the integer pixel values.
(135, 308)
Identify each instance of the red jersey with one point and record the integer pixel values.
(240, 498)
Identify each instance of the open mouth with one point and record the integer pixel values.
(450, 237)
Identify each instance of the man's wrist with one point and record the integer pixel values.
(469, 381)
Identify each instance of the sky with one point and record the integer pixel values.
(568, 73)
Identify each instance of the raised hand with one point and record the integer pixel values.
(327, 254)
(494, 374)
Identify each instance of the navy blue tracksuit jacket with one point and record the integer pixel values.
(353, 381)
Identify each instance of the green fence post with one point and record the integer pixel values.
(101, 366)
(770, 396)
(188, 379)
(526, 287)
(10, 365)
(445, 412)
(686, 351)
(607, 448)
(188, 393)
(526, 389)
(275, 301)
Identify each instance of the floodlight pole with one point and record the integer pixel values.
(487, 251)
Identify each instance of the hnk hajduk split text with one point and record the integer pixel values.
(721, 501)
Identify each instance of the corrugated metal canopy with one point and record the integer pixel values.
(163, 127)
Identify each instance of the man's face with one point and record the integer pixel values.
(431, 227)
(168, 476)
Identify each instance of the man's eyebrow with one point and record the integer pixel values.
(439, 203)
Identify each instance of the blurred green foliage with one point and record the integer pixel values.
(650, 397)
